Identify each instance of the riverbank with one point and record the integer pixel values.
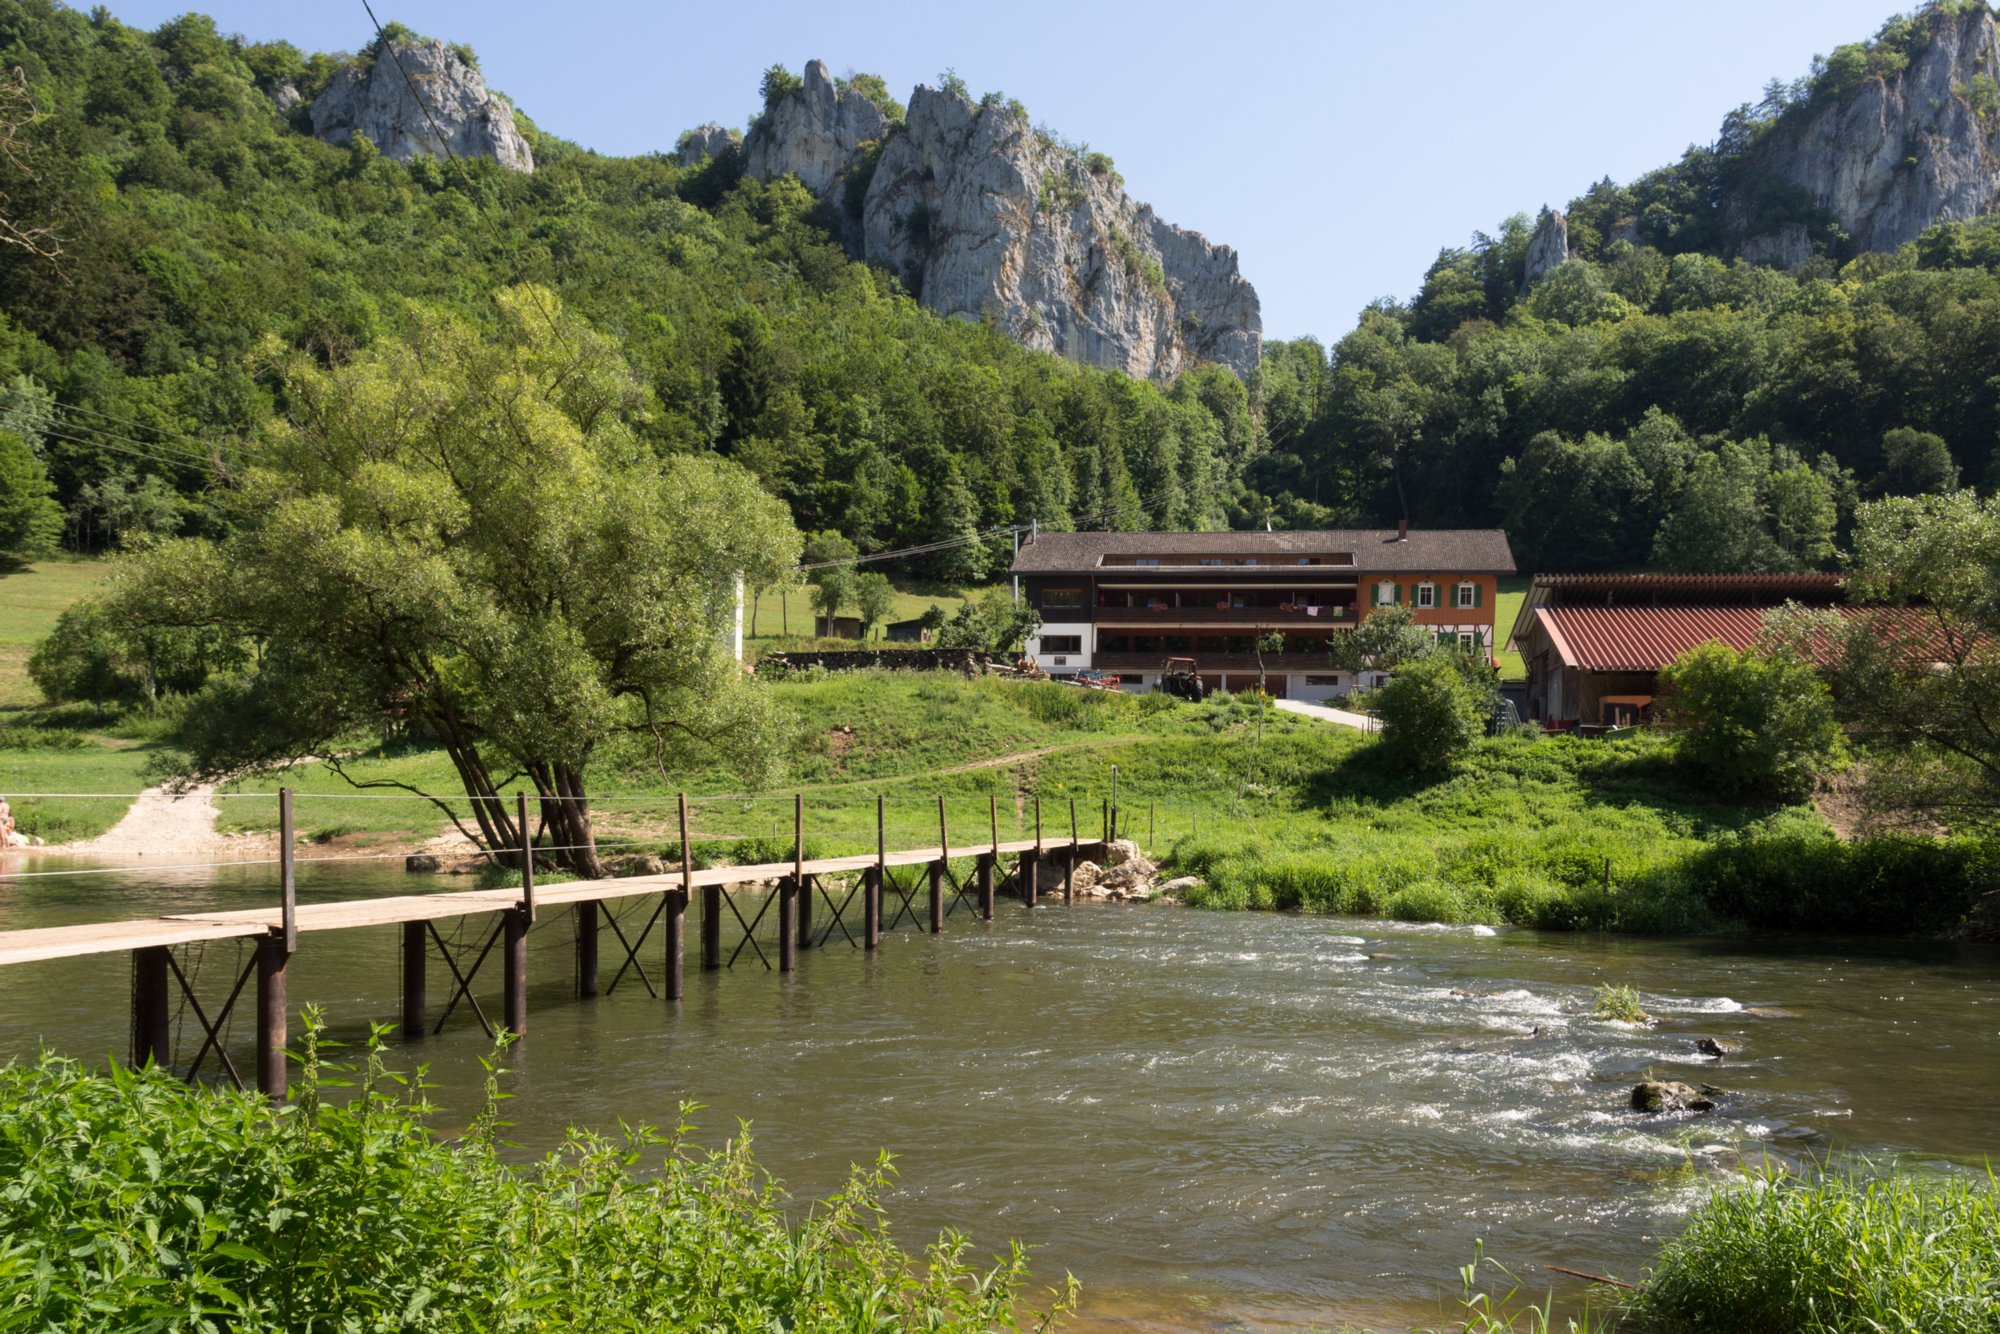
(1271, 810)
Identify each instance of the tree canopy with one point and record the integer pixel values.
(459, 534)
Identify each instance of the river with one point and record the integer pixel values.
(1216, 1121)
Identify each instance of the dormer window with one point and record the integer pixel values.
(1427, 595)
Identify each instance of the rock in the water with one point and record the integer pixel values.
(986, 219)
(1084, 879)
(1658, 1096)
(1718, 1046)
(371, 97)
(1892, 155)
(1129, 875)
(423, 862)
(1548, 248)
(704, 142)
(1179, 887)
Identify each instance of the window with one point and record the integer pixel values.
(1210, 560)
(1062, 643)
(1147, 560)
(1427, 595)
(1385, 594)
(1067, 599)
(1468, 594)
(1465, 640)
(1322, 680)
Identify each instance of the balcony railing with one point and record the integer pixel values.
(1207, 663)
(1210, 614)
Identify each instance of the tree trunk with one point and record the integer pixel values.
(566, 816)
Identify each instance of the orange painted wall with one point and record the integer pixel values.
(1447, 584)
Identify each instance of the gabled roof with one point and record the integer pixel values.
(1753, 591)
(1645, 639)
(1366, 550)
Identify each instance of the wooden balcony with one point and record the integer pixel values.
(1276, 664)
(1154, 618)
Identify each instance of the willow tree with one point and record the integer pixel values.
(459, 536)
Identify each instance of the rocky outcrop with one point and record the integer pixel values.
(986, 219)
(1661, 1096)
(816, 132)
(456, 117)
(704, 142)
(1548, 247)
(1895, 155)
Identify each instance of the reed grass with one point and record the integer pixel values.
(1839, 1251)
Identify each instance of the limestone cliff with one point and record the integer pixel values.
(371, 97)
(1548, 247)
(1894, 155)
(984, 218)
(704, 142)
(815, 132)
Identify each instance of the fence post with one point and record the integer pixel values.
(1069, 863)
(527, 858)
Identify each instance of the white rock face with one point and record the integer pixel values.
(1548, 248)
(814, 133)
(1896, 155)
(373, 99)
(986, 220)
(703, 142)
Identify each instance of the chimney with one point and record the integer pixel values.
(1402, 530)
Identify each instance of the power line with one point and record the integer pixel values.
(163, 461)
(168, 450)
(134, 422)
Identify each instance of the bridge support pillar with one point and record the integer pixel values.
(415, 954)
(806, 914)
(271, 1031)
(1031, 874)
(788, 923)
(586, 948)
(937, 896)
(871, 907)
(986, 860)
(711, 928)
(515, 960)
(677, 903)
(152, 1016)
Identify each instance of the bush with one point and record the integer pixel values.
(177, 1208)
(1431, 715)
(1752, 724)
(1838, 1252)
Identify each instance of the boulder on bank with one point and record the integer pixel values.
(1659, 1096)
(423, 863)
(1121, 851)
(1174, 891)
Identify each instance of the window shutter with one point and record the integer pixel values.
(1477, 594)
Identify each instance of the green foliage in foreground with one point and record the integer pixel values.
(1431, 714)
(1839, 1252)
(134, 1202)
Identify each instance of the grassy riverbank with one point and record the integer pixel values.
(135, 1202)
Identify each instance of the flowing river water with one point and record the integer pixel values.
(1216, 1121)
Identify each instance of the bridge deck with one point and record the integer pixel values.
(62, 942)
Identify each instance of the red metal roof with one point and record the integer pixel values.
(1645, 639)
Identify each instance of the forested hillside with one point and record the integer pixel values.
(1646, 394)
(1659, 398)
(203, 233)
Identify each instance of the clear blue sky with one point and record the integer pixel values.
(1337, 146)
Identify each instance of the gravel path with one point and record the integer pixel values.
(167, 826)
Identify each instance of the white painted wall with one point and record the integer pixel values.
(1069, 662)
(1296, 687)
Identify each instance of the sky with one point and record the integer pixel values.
(1336, 146)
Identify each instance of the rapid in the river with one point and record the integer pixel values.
(1215, 1121)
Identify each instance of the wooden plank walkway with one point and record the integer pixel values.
(66, 942)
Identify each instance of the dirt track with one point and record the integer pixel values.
(163, 826)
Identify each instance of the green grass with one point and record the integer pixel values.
(1621, 1004)
(788, 613)
(1513, 592)
(30, 602)
(1835, 1252)
(137, 1202)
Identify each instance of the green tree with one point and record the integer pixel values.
(874, 595)
(457, 535)
(993, 623)
(829, 558)
(1915, 463)
(1752, 723)
(1914, 666)
(1386, 639)
(30, 519)
(1431, 714)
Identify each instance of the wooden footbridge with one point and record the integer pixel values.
(886, 880)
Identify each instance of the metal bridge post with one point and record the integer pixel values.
(414, 955)
(271, 959)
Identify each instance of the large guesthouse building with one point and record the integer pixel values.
(1123, 603)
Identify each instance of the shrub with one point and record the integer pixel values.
(1841, 1251)
(1753, 724)
(1430, 713)
(185, 1208)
